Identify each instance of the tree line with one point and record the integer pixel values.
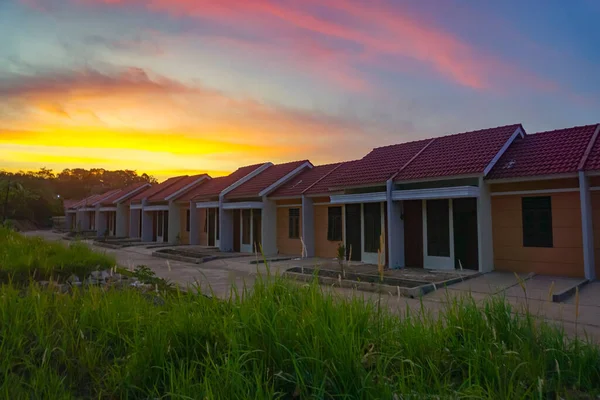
(39, 195)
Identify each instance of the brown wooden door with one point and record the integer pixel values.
(413, 233)
(465, 233)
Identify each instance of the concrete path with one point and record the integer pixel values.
(218, 276)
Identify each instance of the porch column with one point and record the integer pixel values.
(269, 227)
(484, 228)
(225, 227)
(194, 225)
(122, 220)
(100, 223)
(174, 223)
(587, 229)
(308, 225)
(134, 222)
(395, 223)
(146, 225)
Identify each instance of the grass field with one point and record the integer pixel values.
(24, 258)
(276, 340)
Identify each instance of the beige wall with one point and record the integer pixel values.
(565, 258)
(184, 234)
(323, 247)
(285, 245)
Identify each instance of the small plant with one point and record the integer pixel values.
(341, 258)
(146, 275)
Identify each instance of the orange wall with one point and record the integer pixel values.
(565, 258)
(183, 234)
(536, 185)
(285, 245)
(323, 247)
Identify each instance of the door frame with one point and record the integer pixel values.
(160, 223)
(370, 258)
(246, 248)
(437, 262)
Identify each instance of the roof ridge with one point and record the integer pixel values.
(324, 176)
(413, 158)
(588, 149)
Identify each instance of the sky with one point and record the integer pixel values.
(172, 87)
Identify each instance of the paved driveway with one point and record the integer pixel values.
(218, 276)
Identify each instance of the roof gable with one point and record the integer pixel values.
(545, 153)
(177, 188)
(215, 186)
(254, 186)
(123, 194)
(156, 190)
(304, 180)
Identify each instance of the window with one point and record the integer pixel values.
(438, 228)
(187, 220)
(294, 223)
(246, 219)
(334, 224)
(537, 221)
(372, 228)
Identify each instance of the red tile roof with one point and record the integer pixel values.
(124, 193)
(464, 153)
(377, 166)
(255, 185)
(305, 180)
(593, 159)
(176, 186)
(215, 186)
(156, 189)
(544, 153)
(105, 195)
(324, 186)
(86, 202)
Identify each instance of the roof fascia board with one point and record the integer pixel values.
(207, 204)
(131, 193)
(243, 205)
(185, 188)
(532, 178)
(436, 193)
(284, 179)
(245, 178)
(375, 197)
(518, 132)
(588, 149)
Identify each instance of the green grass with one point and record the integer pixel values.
(278, 340)
(24, 258)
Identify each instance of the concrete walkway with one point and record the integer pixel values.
(218, 276)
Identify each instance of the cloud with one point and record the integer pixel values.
(132, 109)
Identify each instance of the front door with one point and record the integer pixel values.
(162, 226)
(413, 233)
(371, 232)
(437, 234)
(236, 230)
(246, 231)
(211, 223)
(353, 232)
(257, 230)
(465, 233)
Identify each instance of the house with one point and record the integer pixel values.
(546, 204)
(204, 205)
(112, 210)
(155, 213)
(81, 216)
(306, 222)
(247, 218)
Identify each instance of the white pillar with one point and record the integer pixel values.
(395, 226)
(194, 225)
(134, 222)
(122, 218)
(100, 223)
(147, 221)
(587, 229)
(174, 223)
(269, 227)
(485, 244)
(308, 225)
